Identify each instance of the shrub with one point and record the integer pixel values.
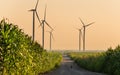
(107, 62)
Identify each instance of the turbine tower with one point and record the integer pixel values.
(84, 31)
(43, 26)
(80, 36)
(35, 13)
(51, 37)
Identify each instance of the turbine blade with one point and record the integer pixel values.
(45, 12)
(48, 25)
(38, 18)
(36, 4)
(52, 30)
(48, 31)
(30, 10)
(82, 22)
(40, 24)
(90, 24)
(77, 28)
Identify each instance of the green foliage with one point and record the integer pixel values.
(19, 55)
(91, 61)
(113, 61)
(107, 62)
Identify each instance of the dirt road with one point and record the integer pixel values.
(68, 67)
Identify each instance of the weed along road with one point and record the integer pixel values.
(68, 67)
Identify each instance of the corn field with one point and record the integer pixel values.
(19, 55)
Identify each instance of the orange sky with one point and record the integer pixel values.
(63, 16)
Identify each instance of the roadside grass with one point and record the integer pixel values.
(104, 62)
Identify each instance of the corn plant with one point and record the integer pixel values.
(19, 55)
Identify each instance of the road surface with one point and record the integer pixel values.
(68, 67)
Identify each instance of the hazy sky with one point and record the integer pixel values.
(63, 16)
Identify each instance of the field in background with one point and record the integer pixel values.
(77, 51)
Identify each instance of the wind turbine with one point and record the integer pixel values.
(80, 36)
(51, 37)
(84, 29)
(43, 26)
(35, 13)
